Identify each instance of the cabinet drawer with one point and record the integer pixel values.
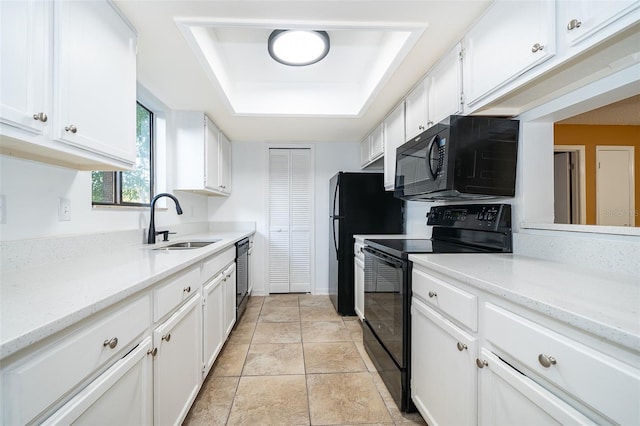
(175, 291)
(458, 304)
(44, 378)
(215, 264)
(607, 385)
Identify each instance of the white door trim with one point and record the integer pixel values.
(580, 150)
(632, 200)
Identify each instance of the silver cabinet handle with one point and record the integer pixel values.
(41, 116)
(71, 128)
(166, 337)
(187, 289)
(152, 352)
(573, 24)
(112, 343)
(461, 346)
(433, 294)
(481, 363)
(421, 127)
(429, 123)
(546, 361)
(536, 47)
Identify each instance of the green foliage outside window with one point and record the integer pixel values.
(131, 187)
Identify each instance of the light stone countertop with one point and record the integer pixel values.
(40, 301)
(601, 303)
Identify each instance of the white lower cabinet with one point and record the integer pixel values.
(212, 324)
(229, 284)
(177, 369)
(508, 397)
(443, 372)
(123, 395)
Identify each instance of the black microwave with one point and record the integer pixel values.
(460, 158)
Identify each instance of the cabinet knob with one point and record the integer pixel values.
(41, 116)
(152, 352)
(546, 361)
(461, 346)
(536, 47)
(481, 363)
(429, 123)
(71, 128)
(421, 127)
(166, 337)
(112, 343)
(187, 289)
(573, 24)
(433, 294)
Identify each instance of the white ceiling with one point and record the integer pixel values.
(212, 56)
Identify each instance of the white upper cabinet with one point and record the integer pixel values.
(68, 84)
(445, 86)
(417, 110)
(372, 146)
(509, 39)
(203, 155)
(393, 138)
(580, 20)
(23, 35)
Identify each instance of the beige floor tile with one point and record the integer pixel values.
(255, 301)
(400, 418)
(203, 414)
(319, 313)
(283, 300)
(365, 356)
(277, 332)
(345, 398)
(332, 357)
(219, 390)
(268, 359)
(243, 332)
(354, 328)
(312, 300)
(324, 331)
(279, 314)
(231, 360)
(382, 390)
(251, 314)
(270, 400)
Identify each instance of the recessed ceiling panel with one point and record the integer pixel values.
(361, 58)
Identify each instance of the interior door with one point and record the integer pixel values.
(615, 186)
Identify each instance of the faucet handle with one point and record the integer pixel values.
(165, 235)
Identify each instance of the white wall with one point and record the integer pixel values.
(248, 201)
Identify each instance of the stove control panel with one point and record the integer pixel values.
(490, 217)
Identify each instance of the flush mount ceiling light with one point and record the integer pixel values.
(298, 47)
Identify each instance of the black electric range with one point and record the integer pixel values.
(469, 228)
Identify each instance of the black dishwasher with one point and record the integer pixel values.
(242, 276)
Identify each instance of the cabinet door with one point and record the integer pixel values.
(393, 138)
(359, 287)
(507, 396)
(511, 38)
(24, 27)
(213, 320)
(365, 150)
(211, 155)
(177, 368)
(443, 372)
(224, 164)
(229, 299)
(120, 396)
(416, 110)
(95, 87)
(445, 87)
(581, 19)
(377, 143)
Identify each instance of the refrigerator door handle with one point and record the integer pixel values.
(335, 196)
(335, 242)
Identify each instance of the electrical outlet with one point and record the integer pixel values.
(3, 209)
(64, 209)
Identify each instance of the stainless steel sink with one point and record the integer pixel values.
(187, 245)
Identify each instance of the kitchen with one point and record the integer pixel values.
(33, 235)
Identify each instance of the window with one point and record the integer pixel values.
(135, 187)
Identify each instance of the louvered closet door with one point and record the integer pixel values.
(290, 219)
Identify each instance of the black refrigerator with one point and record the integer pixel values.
(358, 204)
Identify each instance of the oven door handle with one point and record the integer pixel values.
(384, 259)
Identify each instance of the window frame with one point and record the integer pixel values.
(117, 175)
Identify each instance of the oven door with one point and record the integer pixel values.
(386, 301)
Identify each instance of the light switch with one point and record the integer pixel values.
(64, 209)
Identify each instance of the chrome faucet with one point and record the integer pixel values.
(151, 237)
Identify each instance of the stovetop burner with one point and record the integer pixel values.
(401, 248)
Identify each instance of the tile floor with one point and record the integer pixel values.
(292, 360)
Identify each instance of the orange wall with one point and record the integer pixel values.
(590, 136)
